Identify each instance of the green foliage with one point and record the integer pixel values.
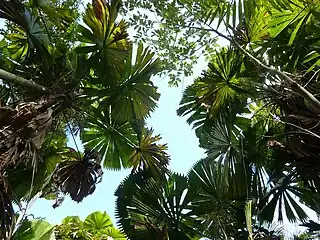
(121, 147)
(227, 82)
(253, 124)
(282, 193)
(133, 96)
(149, 155)
(97, 225)
(106, 41)
(255, 109)
(114, 141)
(62, 76)
(147, 209)
(163, 24)
(215, 205)
(27, 34)
(34, 230)
(184, 30)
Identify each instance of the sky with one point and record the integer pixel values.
(182, 146)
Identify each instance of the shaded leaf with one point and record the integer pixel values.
(150, 210)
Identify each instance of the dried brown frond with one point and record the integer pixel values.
(22, 132)
(6, 212)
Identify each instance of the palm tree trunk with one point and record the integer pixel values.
(10, 77)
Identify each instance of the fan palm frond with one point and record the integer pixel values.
(149, 155)
(147, 209)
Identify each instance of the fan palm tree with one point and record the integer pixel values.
(93, 83)
(255, 108)
(151, 209)
(259, 126)
(260, 129)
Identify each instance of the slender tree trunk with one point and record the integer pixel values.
(15, 79)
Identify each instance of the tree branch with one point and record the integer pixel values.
(315, 103)
(15, 79)
(296, 86)
(296, 126)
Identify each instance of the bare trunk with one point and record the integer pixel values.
(15, 79)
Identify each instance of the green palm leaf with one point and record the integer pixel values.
(97, 225)
(125, 145)
(295, 13)
(220, 87)
(197, 114)
(97, 221)
(215, 205)
(147, 209)
(34, 230)
(60, 16)
(114, 140)
(312, 58)
(106, 41)
(27, 34)
(223, 146)
(149, 155)
(112, 233)
(134, 96)
(257, 156)
(281, 196)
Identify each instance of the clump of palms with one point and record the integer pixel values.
(92, 83)
(255, 111)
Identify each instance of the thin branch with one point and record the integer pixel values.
(72, 135)
(296, 126)
(25, 210)
(15, 79)
(315, 74)
(296, 86)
